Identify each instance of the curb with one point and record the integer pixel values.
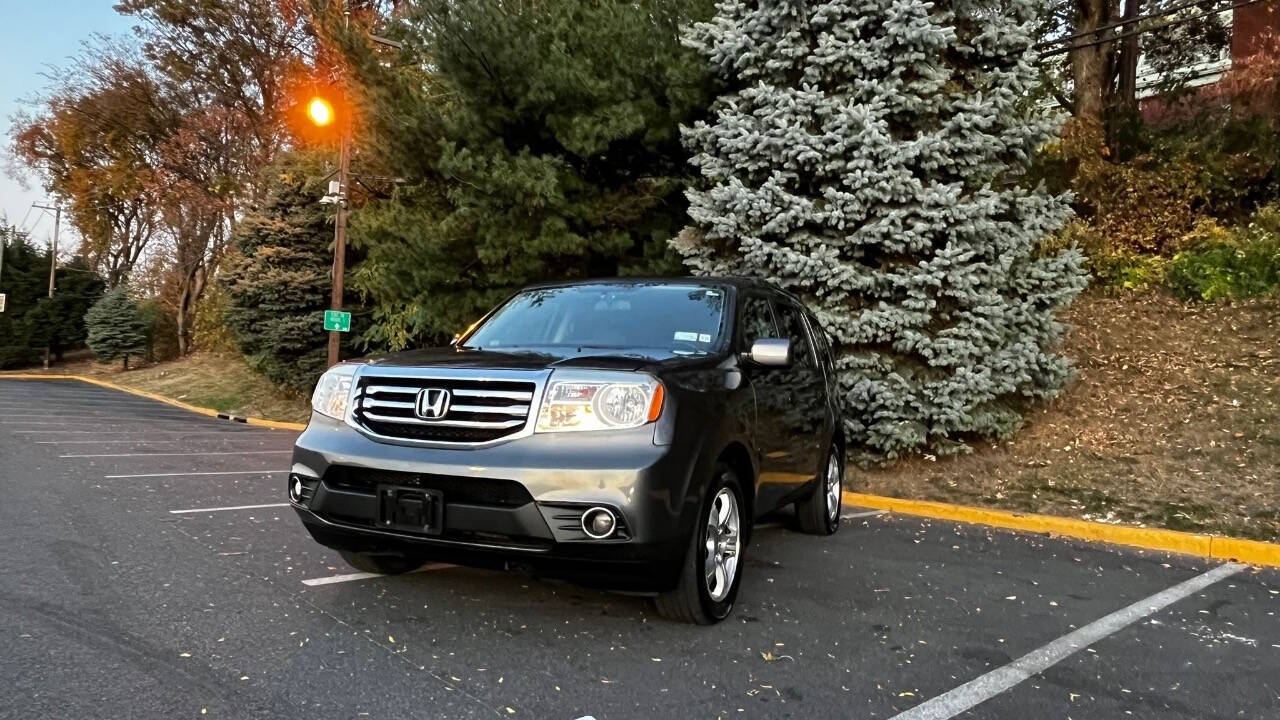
(210, 412)
(1214, 547)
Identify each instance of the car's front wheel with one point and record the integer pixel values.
(381, 564)
(712, 569)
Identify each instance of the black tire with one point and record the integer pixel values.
(691, 601)
(381, 564)
(814, 513)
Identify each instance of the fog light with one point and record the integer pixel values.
(295, 490)
(599, 523)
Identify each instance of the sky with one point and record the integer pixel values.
(35, 34)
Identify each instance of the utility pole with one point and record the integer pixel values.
(53, 259)
(340, 233)
(340, 222)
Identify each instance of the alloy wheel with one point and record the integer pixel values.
(833, 487)
(722, 544)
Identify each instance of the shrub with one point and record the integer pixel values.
(209, 330)
(1142, 205)
(1220, 263)
(162, 331)
(1110, 267)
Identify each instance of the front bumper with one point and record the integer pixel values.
(511, 504)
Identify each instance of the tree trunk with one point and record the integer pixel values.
(1089, 64)
(1126, 98)
(126, 362)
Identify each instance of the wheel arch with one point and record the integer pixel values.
(739, 459)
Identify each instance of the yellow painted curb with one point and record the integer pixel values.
(258, 422)
(1208, 546)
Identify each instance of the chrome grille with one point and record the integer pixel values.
(478, 410)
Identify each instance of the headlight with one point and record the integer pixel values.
(333, 392)
(579, 400)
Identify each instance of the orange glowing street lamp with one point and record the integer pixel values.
(320, 111)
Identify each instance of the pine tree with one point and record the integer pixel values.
(277, 275)
(116, 326)
(870, 157)
(557, 154)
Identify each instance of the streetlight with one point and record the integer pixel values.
(321, 113)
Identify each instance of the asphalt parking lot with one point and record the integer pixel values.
(150, 569)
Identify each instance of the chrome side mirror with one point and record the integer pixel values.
(771, 352)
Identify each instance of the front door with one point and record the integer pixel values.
(790, 405)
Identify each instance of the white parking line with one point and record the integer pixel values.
(349, 577)
(92, 422)
(135, 442)
(233, 507)
(855, 516)
(44, 404)
(185, 474)
(178, 454)
(965, 697)
(135, 432)
(54, 416)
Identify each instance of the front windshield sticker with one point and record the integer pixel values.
(690, 336)
(703, 337)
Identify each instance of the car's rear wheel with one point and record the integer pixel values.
(819, 512)
(381, 564)
(712, 570)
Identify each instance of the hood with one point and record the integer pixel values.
(518, 359)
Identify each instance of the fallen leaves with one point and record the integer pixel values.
(770, 657)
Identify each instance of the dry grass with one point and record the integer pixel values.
(1173, 421)
(221, 382)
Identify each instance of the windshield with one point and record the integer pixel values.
(681, 319)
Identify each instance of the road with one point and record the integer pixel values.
(150, 569)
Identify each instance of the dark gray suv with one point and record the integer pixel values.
(620, 433)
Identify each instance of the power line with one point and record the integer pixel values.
(1152, 28)
(1122, 23)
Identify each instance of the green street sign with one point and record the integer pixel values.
(337, 320)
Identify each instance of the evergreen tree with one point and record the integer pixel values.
(536, 140)
(31, 321)
(116, 326)
(277, 275)
(23, 280)
(870, 157)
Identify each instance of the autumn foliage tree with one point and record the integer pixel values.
(93, 143)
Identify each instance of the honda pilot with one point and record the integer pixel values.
(623, 434)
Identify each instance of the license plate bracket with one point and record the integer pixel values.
(411, 509)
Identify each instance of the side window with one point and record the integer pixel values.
(757, 321)
(823, 345)
(793, 327)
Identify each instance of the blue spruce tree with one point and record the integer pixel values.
(870, 157)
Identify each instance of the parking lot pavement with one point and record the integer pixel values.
(150, 569)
